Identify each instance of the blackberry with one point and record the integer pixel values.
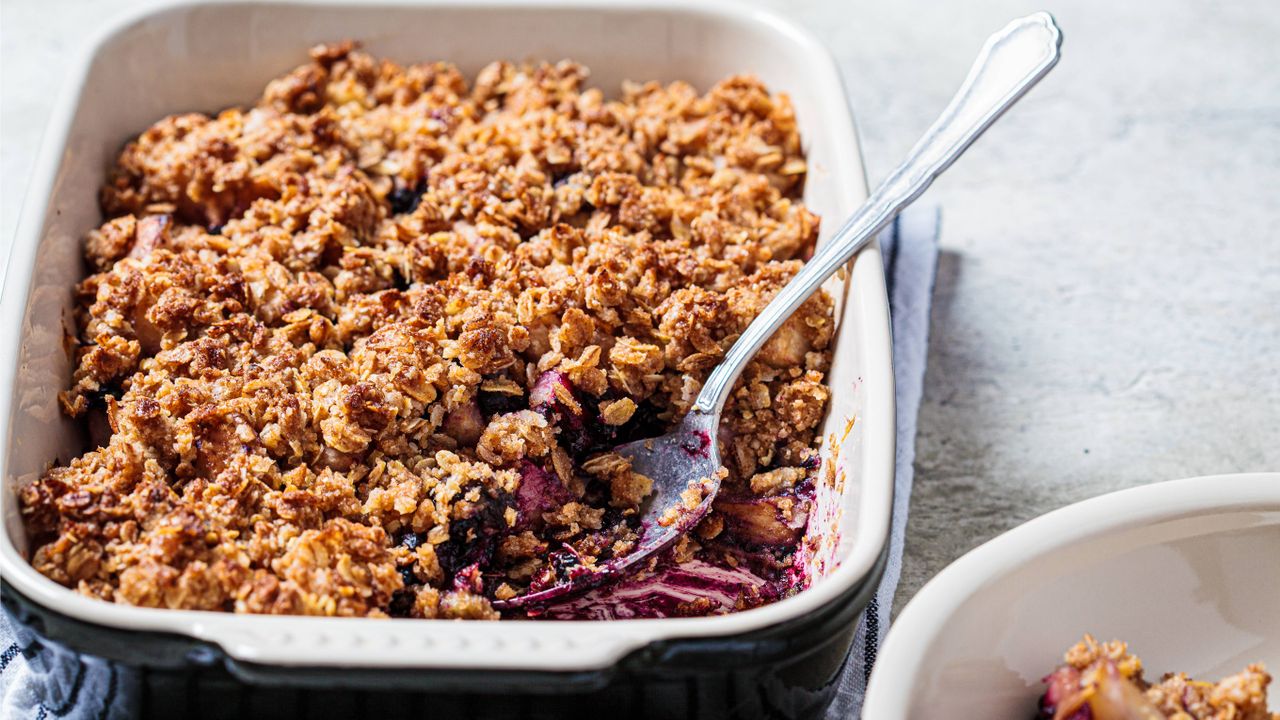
(563, 562)
(405, 200)
(406, 574)
(472, 540)
(410, 540)
(401, 603)
(495, 403)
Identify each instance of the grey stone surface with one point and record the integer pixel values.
(1108, 305)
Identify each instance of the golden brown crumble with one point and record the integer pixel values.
(363, 346)
(1104, 680)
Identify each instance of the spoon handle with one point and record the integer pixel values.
(1010, 63)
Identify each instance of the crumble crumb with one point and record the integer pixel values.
(775, 481)
(618, 412)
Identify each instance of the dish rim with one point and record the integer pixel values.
(258, 638)
(901, 657)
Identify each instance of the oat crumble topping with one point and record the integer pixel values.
(363, 348)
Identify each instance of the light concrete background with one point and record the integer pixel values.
(1108, 304)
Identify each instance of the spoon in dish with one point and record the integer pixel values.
(684, 464)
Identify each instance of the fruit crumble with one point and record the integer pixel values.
(364, 347)
(1103, 681)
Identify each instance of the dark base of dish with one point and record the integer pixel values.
(785, 671)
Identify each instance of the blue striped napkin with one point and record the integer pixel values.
(910, 247)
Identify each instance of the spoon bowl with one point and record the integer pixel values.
(686, 471)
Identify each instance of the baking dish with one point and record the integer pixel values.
(203, 57)
(1187, 572)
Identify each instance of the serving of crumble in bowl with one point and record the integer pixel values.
(355, 338)
(1157, 601)
(1106, 681)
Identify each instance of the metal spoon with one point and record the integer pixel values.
(685, 463)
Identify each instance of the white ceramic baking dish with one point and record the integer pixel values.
(204, 57)
(1187, 572)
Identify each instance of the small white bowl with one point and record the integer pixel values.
(1187, 572)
